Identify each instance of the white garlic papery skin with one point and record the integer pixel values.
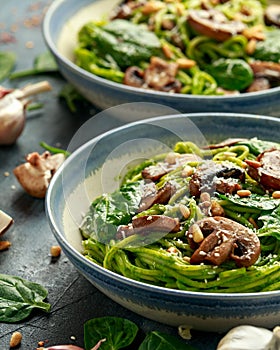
(275, 341)
(248, 338)
(12, 119)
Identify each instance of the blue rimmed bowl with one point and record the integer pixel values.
(63, 20)
(96, 167)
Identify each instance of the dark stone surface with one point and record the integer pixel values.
(74, 300)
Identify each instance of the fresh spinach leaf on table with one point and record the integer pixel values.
(7, 62)
(18, 297)
(161, 341)
(43, 63)
(118, 332)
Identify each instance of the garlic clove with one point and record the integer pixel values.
(12, 119)
(246, 337)
(275, 341)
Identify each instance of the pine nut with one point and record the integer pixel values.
(15, 339)
(4, 245)
(187, 171)
(167, 52)
(185, 211)
(151, 7)
(244, 193)
(185, 63)
(55, 251)
(276, 195)
(197, 234)
(171, 157)
(205, 197)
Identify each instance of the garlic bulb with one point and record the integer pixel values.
(12, 110)
(250, 338)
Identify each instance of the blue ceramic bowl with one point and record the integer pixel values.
(60, 27)
(96, 166)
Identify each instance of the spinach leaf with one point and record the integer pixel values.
(269, 49)
(271, 224)
(109, 211)
(7, 62)
(43, 63)
(18, 297)
(118, 332)
(231, 74)
(257, 146)
(161, 341)
(255, 201)
(120, 43)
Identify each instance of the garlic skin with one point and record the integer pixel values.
(248, 337)
(12, 119)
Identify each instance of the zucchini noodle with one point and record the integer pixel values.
(177, 39)
(164, 259)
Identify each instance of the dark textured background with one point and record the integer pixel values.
(74, 300)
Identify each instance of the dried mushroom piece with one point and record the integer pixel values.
(35, 175)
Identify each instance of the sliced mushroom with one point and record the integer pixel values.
(259, 84)
(153, 196)
(268, 70)
(134, 76)
(155, 172)
(155, 223)
(225, 143)
(224, 239)
(36, 174)
(272, 15)
(161, 75)
(214, 24)
(266, 169)
(146, 224)
(221, 177)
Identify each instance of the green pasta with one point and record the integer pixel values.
(194, 61)
(164, 257)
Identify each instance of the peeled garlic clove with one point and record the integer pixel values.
(246, 338)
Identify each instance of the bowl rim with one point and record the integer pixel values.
(130, 89)
(125, 280)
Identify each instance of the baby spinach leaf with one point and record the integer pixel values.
(161, 341)
(18, 297)
(257, 146)
(118, 332)
(231, 74)
(121, 42)
(269, 49)
(7, 62)
(43, 63)
(109, 211)
(271, 224)
(255, 201)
